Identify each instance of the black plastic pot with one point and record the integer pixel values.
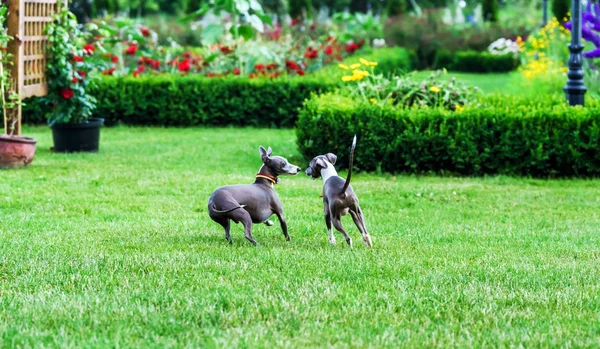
(70, 138)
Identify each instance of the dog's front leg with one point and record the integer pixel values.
(283, 223)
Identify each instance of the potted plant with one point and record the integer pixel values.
(69, 79)
(15, 151)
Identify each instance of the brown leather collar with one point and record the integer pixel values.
(268, 177)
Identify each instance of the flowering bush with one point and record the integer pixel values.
(504, 46)
(69, 71)
(126, 47)
(405, 91)
(546, 52)
(10, 98)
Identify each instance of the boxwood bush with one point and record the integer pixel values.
(476, 62)
(174, 100)
(501, 136)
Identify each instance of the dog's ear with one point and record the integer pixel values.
(321, 163)
(269, 151)
(331, 158)
(264, 154)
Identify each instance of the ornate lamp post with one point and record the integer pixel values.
(575, 88)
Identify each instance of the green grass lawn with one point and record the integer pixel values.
(116, 250)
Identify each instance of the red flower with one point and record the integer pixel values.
(131, 50)
(293, 22)
(67, 93)
(77, 58)
(313, 27)
(115, 59)
(350, 48)
(145, 32)
(311, 53)
(82, 74)
(109, 71)
(185, 66)
(136, 74)
(210, 75)
(339, 58)
(89, 49)
(259, 67)
(226, 50)
(328, 50)
(187, 55)
(274, 75)
(252, 76)
(141, 68)
(155, 64)
(272, 66)
(291, 65)
(74, 80)
(236, 71)
(300, 72)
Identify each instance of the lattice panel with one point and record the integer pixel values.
(36, 16)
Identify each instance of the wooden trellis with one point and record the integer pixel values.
(27, 21)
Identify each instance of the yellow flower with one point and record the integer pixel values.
(355, 66)
(434, 89)
(361, 73)
(564, 70)
(347, 78)
(343, 66)
(373, 100)
(367, 63)
(459, 107)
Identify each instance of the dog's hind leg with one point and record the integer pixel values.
(226, 223)
(359, 220)
(243, 217)
(328, 222)
(337, 223)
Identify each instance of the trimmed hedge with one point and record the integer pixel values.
(475, 62)
(174, 100)
(513, 136)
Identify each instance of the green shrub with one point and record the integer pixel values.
(560, 9)
(476, 62)
(175, 100)
(515, 136)
(490, 10)
(168, 100)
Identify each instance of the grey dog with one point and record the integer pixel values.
(252, 203)
(338, 196)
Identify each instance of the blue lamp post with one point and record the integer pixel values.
(544, 12)
(575, 88)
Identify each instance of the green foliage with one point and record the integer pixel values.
(476, 62)
(173, 100)
(427, 35)
(168, 100)
(560, 9)
(251, 10)
(10, 99)
(517, 136)
(490, 10)
(390, 61)
(68, 73)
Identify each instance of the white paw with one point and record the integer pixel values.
(269, 223)
(332, 240)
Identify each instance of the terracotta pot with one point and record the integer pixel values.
(16, 151)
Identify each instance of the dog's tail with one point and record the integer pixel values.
(347, 184)
(214, 209)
